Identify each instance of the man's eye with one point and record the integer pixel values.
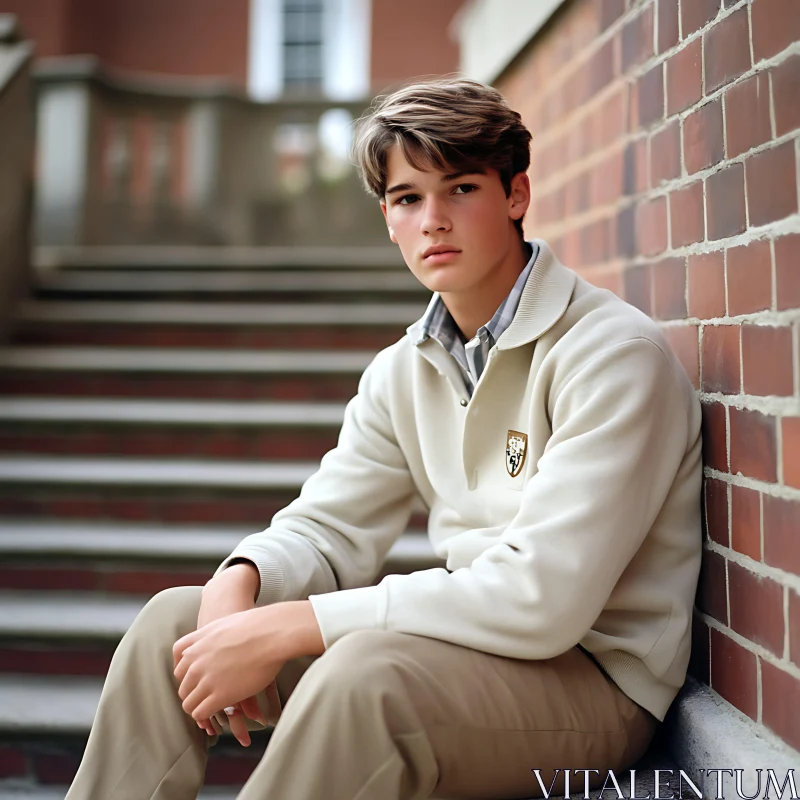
(468, 186)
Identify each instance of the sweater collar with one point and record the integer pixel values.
(544, 300)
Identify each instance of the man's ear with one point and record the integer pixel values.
(391, 231)
(520, 196)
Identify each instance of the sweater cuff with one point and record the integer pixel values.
(339, 613)
(269, 569)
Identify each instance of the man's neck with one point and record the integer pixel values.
(470, 310)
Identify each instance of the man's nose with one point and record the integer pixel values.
(434, 217)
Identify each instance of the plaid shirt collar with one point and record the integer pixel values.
(438, 323)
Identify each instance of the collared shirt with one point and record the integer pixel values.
(471, 356)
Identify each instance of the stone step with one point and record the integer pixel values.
(326, 326)
(219, 285)
(154, 490)
(64, 708)
(150, 428)
(209, 257)
(117, 558)
(182, 373)
(44, 723)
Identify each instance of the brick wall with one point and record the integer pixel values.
(665, 168)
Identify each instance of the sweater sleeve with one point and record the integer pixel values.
(337, 532)
(620, 426)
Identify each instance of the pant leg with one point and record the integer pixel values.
(143, 745)
(390, 716)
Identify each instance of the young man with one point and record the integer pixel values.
(555, 440)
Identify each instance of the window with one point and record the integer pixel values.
(302, 44)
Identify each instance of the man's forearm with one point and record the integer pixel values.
(241, 576)
(300, 634)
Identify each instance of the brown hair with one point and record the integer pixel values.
(447, 123)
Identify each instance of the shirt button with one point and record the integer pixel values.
(463, 402)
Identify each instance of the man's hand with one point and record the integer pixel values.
(234, 590)
(233, 658)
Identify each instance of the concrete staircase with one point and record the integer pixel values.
(151, 415)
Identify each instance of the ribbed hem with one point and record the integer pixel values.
(633, 677)
(269, 569)
(339, 613)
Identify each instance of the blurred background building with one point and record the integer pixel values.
(209, 279)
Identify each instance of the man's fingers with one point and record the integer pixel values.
(251, 708)
(239, 728)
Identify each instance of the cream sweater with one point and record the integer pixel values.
(594, 539)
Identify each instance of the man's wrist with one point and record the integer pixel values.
(241, 574)
(301, 635)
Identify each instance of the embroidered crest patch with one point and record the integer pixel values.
(516, 450)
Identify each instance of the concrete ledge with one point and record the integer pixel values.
(20, 790)
(34, 538)
(206, 314)
(211, 257)
(182, 361)
(704, 731)
(164, 282)
(132, 413)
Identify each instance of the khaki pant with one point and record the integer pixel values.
(380, 715)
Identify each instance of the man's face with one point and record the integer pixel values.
(469, 213)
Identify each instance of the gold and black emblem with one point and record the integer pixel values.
(516, 450)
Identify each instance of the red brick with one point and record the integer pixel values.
(595, 242)
(726, 48)
(776, 25)
(711, 590)
(703, 142)
(610, 126)
(786, 91)
(753, 445)
(756, 608)
(55, 768)
(749, 276)
(637, 285)
(780, 693)
(716, 508)
(626, 231)
(734, 673)
(746, 521)
(605, 181)
(782, 533)
(767, 361)
(790, 429)
(637, 40)
(13, 763)
(696, 14)
(725, 209)
(747, 120)
(667, 24)
(700, 658)
(683, 339)
(794, 627)
(684, 77)
(635, 165)
(720, 359)
(707, 285)
(715, 437)
(669, 288)
(687, 215)
(48, 578)
(772, 184)
(650, 96)
(665, 154)
(55, 662)
(787, 271)
(610, 12)
(651, 226)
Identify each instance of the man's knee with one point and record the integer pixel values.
(171, 613)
